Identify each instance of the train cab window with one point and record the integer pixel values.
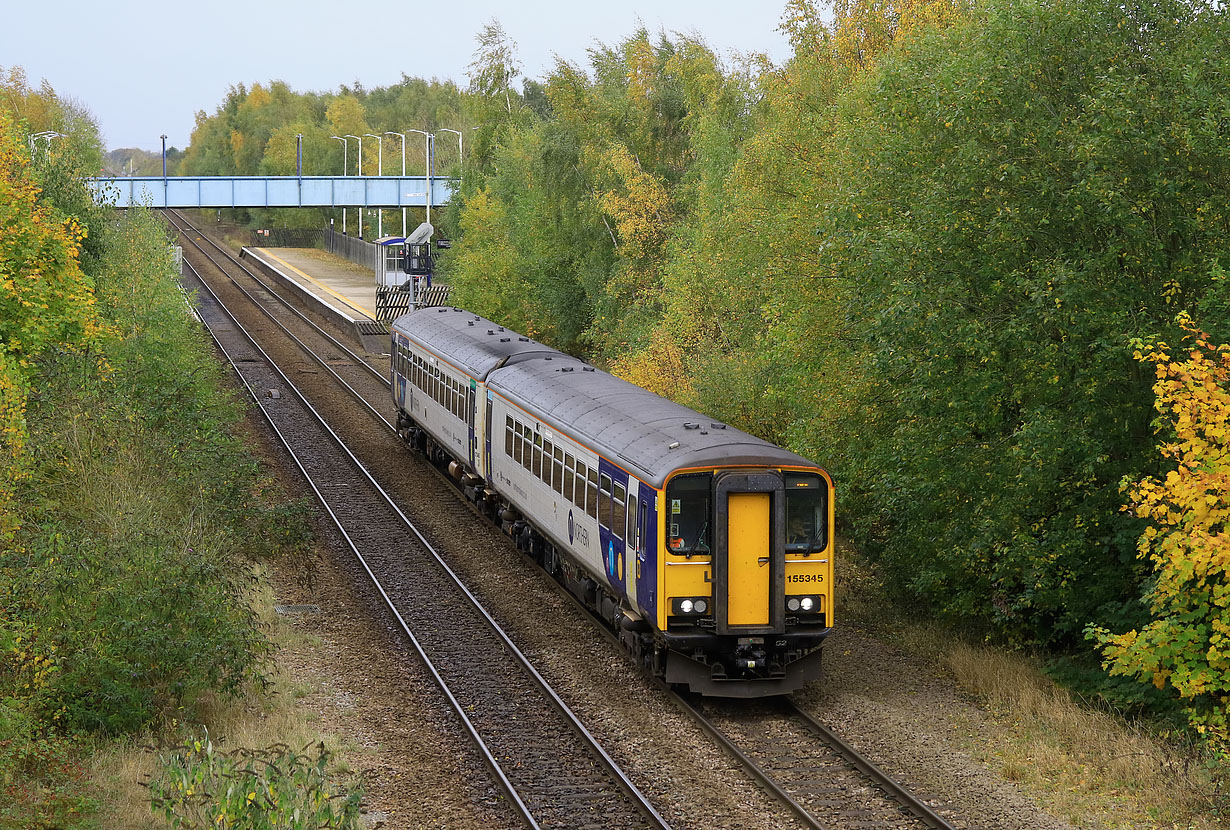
(806, 514)
(547, 447)
(604, 502)
(630, 537)
(619, 512)
(537, 455)
(568, 478)
(557, 477)
(508, 436)
(689, 513)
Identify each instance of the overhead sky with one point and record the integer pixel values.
(146, 68)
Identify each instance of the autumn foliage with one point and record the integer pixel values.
(1186, 645)
(45, 300)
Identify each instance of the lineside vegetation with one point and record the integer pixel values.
(131, 516)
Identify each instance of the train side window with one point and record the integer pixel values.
(630, 538)
(591, 493)
(604, 502)
(642, 529)
(418, 372)
(518, 444)
(434, 381)
(568, 477)
(527, 450)
(557, 477)
(619, 513)
(508, 436)
(537, 455)
(547, 447)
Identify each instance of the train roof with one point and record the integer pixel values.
(645, 433)
(472, 343)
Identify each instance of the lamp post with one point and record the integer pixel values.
(47, 134)
(345, 168)
(403, 175)
(427, 148)
(379, 172)
(460, 156)
(360, 140)
(164, 170)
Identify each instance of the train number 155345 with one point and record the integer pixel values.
(805, 578)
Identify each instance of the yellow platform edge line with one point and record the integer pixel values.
(369, 313)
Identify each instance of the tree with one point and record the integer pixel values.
(1186, 644)
(495, 65)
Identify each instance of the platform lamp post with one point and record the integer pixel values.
(360, 140)
(379, 172)
(460, 157)
(34, 137)
(164, 170)
(403, 175)
(427, 148)
(345, 171)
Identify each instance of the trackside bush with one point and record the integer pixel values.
(200, 786)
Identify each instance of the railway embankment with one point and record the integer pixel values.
(134, 528)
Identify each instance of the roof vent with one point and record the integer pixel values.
(717, 426)
(505, 339)
(673, 445)
(490, 331)
(501, 328)
(704, 432)
(441, 311)
(549, 358)
(471, 323)
(588, 369)
(567, 368)
(687, 425)
(455, 308)
(524, 339)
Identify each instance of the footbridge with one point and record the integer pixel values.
(272, 191)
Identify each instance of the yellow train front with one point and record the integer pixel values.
(708, 550)
(746, 578)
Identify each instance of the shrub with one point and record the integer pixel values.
(199, 786)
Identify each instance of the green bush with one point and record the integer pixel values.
(199, 786)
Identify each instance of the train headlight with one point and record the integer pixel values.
(689, 606)
(803, 604)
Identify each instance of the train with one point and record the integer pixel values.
(709, 551)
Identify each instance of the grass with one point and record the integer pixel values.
(1087, 764)
(121, 768)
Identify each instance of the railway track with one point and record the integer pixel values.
(824, 780)
(552, 771)
(798, 761)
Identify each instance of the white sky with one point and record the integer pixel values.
(145, 68)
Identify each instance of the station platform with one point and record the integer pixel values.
(337, 286)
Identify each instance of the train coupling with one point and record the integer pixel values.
(751, 656)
